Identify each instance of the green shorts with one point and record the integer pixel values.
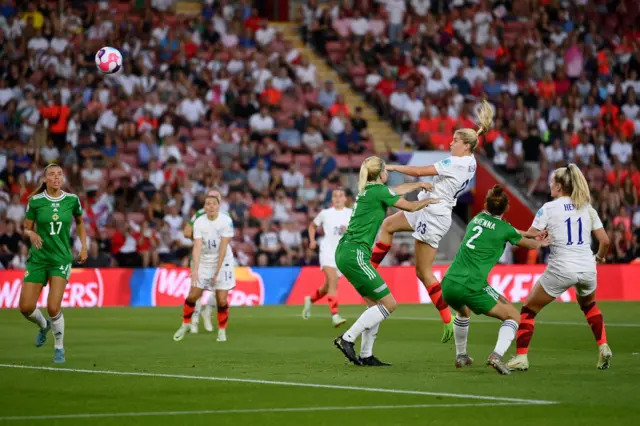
(353, 261)
(458, 295)
(39, 273)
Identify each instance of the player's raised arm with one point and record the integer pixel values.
(405, 188)
(416, 171)
(414, 206)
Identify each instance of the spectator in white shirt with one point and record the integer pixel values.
(38, 43)
(464, 26)
(622, 151)
(261, 124)
(170, 149)
(398, 99)
(261, 75)
(292, 178)
(265, 34)
(414, 107)
(312, 138)
(306, 72)
(192, 109)
(282, 82)
(554, 154)
(359, 24)
(585, 151)
(92, 178)
(49, 153)
(396, 10)
(16, 211)
(421, 7)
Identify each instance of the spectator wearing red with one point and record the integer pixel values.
(444, 122)
(547, 87)
(427, 124)
(146, 243)
(270, 95)
(58, 115)
(124, 247)
(260, 210)
(340, 107)
(252, 23)
(173, 174)
(617, 175)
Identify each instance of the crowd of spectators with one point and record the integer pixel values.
(562, 76)
(219, 100)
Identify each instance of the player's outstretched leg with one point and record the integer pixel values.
(310, 300)
(596, 322)
(425, 255)
(188, 310)
(523, 339)
(460, 333)
(392, 224)
(223, 314)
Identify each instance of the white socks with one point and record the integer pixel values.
(196, 311)
(368, 338)
(370, 318)
(460, 333)
(37, 318)
(211, 303)
(505, 336)
(57, 326)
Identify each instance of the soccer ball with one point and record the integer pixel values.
(108, 60)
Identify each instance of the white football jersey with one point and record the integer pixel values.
(570, 233)
(334, 222)
(454, 176)
(211, 232)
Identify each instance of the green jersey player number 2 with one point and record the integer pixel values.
(465, 287)
(354, 253)
(47, 224)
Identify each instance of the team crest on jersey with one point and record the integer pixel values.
(446, 162)
(539, 213)
(55, 216)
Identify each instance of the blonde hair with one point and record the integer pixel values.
(370, 170)
(573, 184)
(484, 116)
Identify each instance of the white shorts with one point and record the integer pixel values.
(226, 279)
(557, 282)
(328, 258)
(428, 228)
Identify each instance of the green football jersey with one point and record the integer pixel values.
(369, 211)
(53, 218)
(199, 213)
(480, 250)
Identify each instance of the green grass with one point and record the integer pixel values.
(274, 344)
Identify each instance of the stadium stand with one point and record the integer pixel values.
(561, 75)
(215, 100)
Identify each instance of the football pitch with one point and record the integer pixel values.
(123, 368)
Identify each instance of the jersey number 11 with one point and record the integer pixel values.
(569, 241)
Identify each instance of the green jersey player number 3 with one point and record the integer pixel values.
(354, 253)
(48, 219)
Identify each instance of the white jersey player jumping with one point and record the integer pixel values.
(569, 221)
(451, 177)
(212, 266)
(334, 222)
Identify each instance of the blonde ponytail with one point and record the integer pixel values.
(484, 116)
(369, 171)
(573, 184)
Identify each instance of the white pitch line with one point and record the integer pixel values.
(282, 383)
(489, 320)
(251, 411)
(492, 321)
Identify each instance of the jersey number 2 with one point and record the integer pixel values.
(478, 231)
(569, 241)
(55, 228)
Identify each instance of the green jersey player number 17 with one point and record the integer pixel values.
(353, 254)
(48, 219)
